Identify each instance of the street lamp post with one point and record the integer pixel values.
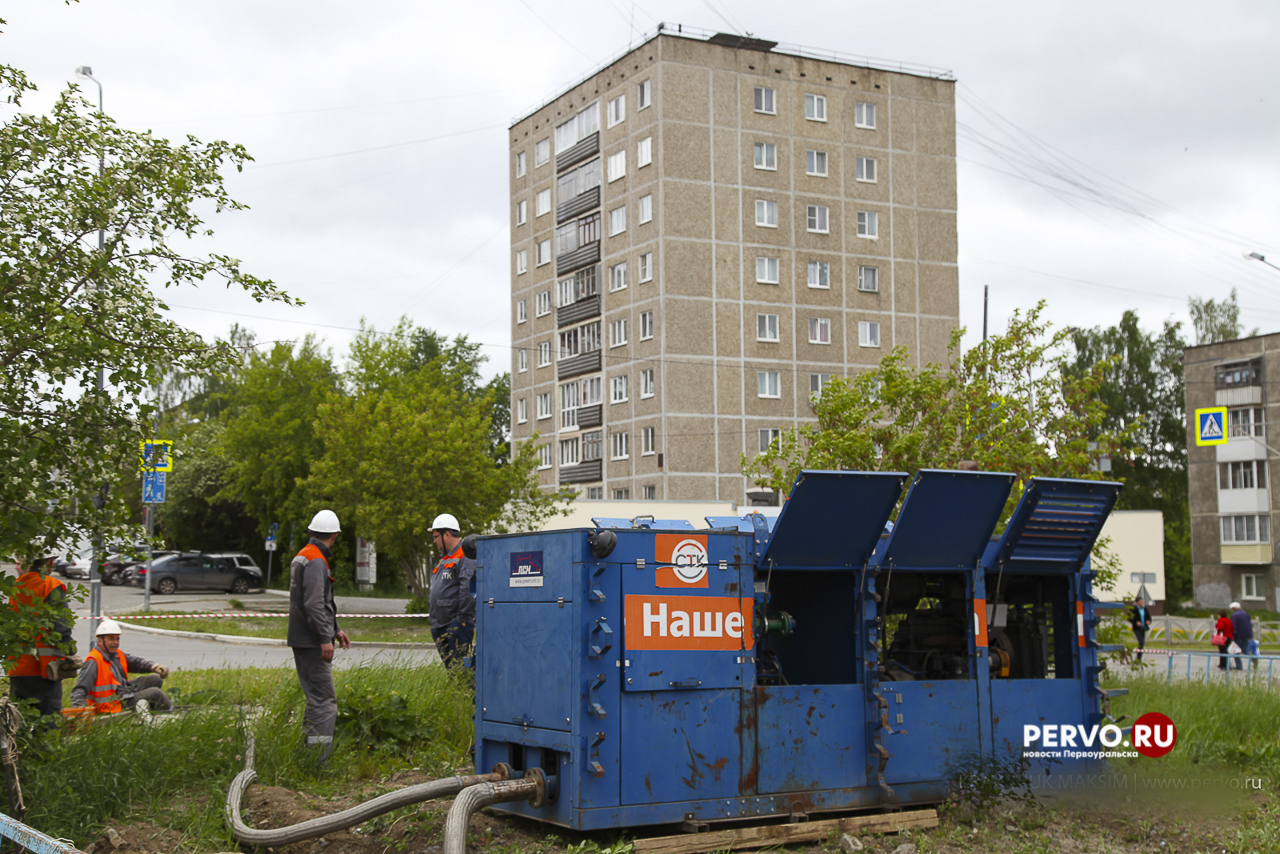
(1258, 256)
(95, 573)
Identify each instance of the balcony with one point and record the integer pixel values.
(583, 309)
(583, 363)
(583, 472)
(590, 416)
(1246, 552)
(579, 204)
(583, 256)
(583, 149)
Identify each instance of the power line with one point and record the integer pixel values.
(375, 148)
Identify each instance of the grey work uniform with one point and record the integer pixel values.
(313, 621)
(451, 606)
(130, 691)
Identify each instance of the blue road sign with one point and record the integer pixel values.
(153, 486)
(1211, 423)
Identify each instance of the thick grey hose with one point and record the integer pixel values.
(481, 795)
(338, 821)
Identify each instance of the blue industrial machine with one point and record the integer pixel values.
(653, 673)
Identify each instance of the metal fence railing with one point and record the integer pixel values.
(32, 839)
(1253, 668)
(1172, 629)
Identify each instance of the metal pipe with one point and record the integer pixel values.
(532, 788)
(347, 818)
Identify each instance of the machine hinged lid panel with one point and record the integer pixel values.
(832, 520)
(1056, 523)
(947, 519)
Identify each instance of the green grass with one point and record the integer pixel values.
(175, 773)
(370, 629)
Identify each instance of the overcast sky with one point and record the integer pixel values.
(1111, 155)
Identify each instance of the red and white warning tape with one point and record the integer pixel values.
(128, 617)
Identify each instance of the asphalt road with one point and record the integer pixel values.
(178, 652)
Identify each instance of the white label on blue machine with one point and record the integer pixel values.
(526, 569)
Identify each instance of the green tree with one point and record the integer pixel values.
(409, 440)
(70, 306)
(270, 440)
(1005, 404)
(1216, 321)
(1144, 395)
(197, 515)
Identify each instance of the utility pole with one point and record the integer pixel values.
(985, 289)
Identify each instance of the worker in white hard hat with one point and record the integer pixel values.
(450, 604)
(37, 674)
(104, 681)
(313, 630)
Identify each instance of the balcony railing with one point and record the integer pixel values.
(581, 150)
(579, 204)
(590, 416)
(584, 363)
(583, 309)
(583, 472)
(578, 258)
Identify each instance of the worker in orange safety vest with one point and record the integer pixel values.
(104, 681)
(34, 675)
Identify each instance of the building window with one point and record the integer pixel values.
(864, 115)
(768, 436)
(542, 202)
(646, 208)
(868, 333)
(764, 100)
(646, 267)
(647, 384)
(595, 493)
(621, 494)
(1249, 474)
(819, 330)
(619, 390)
(817, 217)
(618, 276)
(575, 182)
(768, 384)
(619, 446)
(644, 94)
(766, 327)
(819, 274)
(541, 151)
(650, 493)
(868, 224)
(648, 441)
(544, 354)
(817, 382)
(522, 311)
(1142, 577)
(617, 110)
(617, 220)
(578, 127)
(566, 292)
(522, 212)
(618, 332)
(1246, 529)
(569, 450)
(1238, 374)
(766, 213)
(544, 457)
(522, 262)
(644, 152)
(869, 279)
(569, 344)
(646, 325)
(617, 165)
(815, 108)
(543, 252)
(1245, 422)
(766, 156)
(1251, 586)
(522, 410)
(815, 163)
(544, 405)
(591, 389)
(519, 164)
(566, 239)
(592, 446)
(522, 360)
(767, 270)
(542, 303)
(867, 169)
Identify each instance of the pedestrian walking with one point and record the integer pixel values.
(1140, 622)
(1223, 631)
(1242, 625)
(313, 630)
(451, 606)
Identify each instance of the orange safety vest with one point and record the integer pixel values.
(32, 588)
(103, 696)
(312, 552)
(449, 560)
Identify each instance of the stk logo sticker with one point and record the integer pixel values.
(685, 559)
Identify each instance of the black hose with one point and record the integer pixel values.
(341, 820)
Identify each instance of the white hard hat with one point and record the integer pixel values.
(445, 522)
(324, 522)
(108, 627)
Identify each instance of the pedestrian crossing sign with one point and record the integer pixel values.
(156, 454)
(1211, 426)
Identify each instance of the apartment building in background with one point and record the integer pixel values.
(703, 234)
(1231, 501)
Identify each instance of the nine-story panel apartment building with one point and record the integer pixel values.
(703, 234)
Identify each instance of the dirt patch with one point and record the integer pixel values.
(137, 839)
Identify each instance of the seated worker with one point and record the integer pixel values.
(104, 680)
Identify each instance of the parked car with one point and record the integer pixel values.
(117, 568)
(234, 573)
(74, 566)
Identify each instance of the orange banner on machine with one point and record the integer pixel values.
(685, 556)
(980, 622)
(688, 622)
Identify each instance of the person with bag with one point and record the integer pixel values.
(1242, 640)
(1222, 637)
